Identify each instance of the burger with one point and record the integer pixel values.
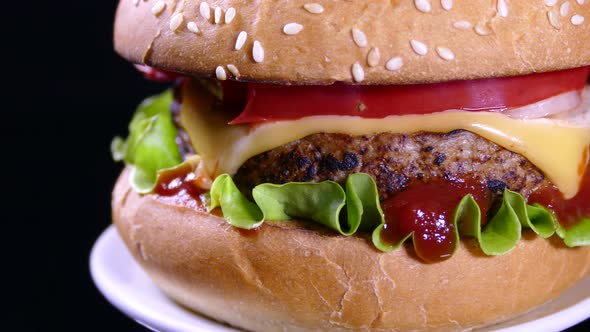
(358, 165)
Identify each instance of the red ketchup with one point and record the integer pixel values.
(180, 183)
(179, 186)
(568, 212)
(427, 209)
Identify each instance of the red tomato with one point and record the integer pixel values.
(157, 75)
(267, 102)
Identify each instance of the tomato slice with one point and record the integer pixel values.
(157, 75)
(268, 102)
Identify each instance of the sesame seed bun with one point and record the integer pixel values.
(298, 277)
(365, 42)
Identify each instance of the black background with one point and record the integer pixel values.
(66, 94)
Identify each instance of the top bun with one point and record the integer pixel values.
(353, 41)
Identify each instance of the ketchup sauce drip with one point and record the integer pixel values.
(426, 209)
(179, 186)
(178, 181)
(568, 212)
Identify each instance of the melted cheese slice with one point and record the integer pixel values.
(556, 147)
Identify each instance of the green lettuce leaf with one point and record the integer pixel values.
(499, 236)
(150, 146)
(236, 208)
(577, 235)
(362, 202)
(385, 246)
(118, 149)
(503, 231)
(321, 202)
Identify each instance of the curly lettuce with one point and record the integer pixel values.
(151, 144)
(577, 235)
(502, 233)
(356, 207)
(321, 202)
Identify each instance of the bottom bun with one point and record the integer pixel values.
(298, 277)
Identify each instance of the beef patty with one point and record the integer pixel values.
(394, 161)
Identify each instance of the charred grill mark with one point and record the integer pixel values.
(349, 162)
(310, 174)
(330, 164)
(497, 186)
(439, 159)
(302, 162)
(394, 182)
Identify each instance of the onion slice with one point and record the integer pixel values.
(579, 115)
(547, 107)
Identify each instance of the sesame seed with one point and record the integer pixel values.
(292, 28)
(550, 3)
(446, 4)
(564, 9)
(358, 74)
(158, 7)
(394, 64)
(359, 37)
(419, 47)
(463, 25)
(445, 53)
(580, 2)
(176, 21)
(502, 8)
(192, 27)
(136, 3)
(577, 19)
(482, 30)
(205, 10)
(257, 52)
(242, 36)
(220, 73)
(314, 8)
(423, 5)
(373, 57)
(218, 13)
(554, 19)
(234, 70)
(230, 13)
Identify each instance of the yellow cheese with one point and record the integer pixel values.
(556, 147)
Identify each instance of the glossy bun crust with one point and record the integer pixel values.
(299, 277)
(470, 40)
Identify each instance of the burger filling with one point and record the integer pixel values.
(431, 162)
(395, 161)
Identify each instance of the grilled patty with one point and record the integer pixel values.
(394, 161)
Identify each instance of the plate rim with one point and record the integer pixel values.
(139, 312)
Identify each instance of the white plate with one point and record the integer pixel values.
(128, 288)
